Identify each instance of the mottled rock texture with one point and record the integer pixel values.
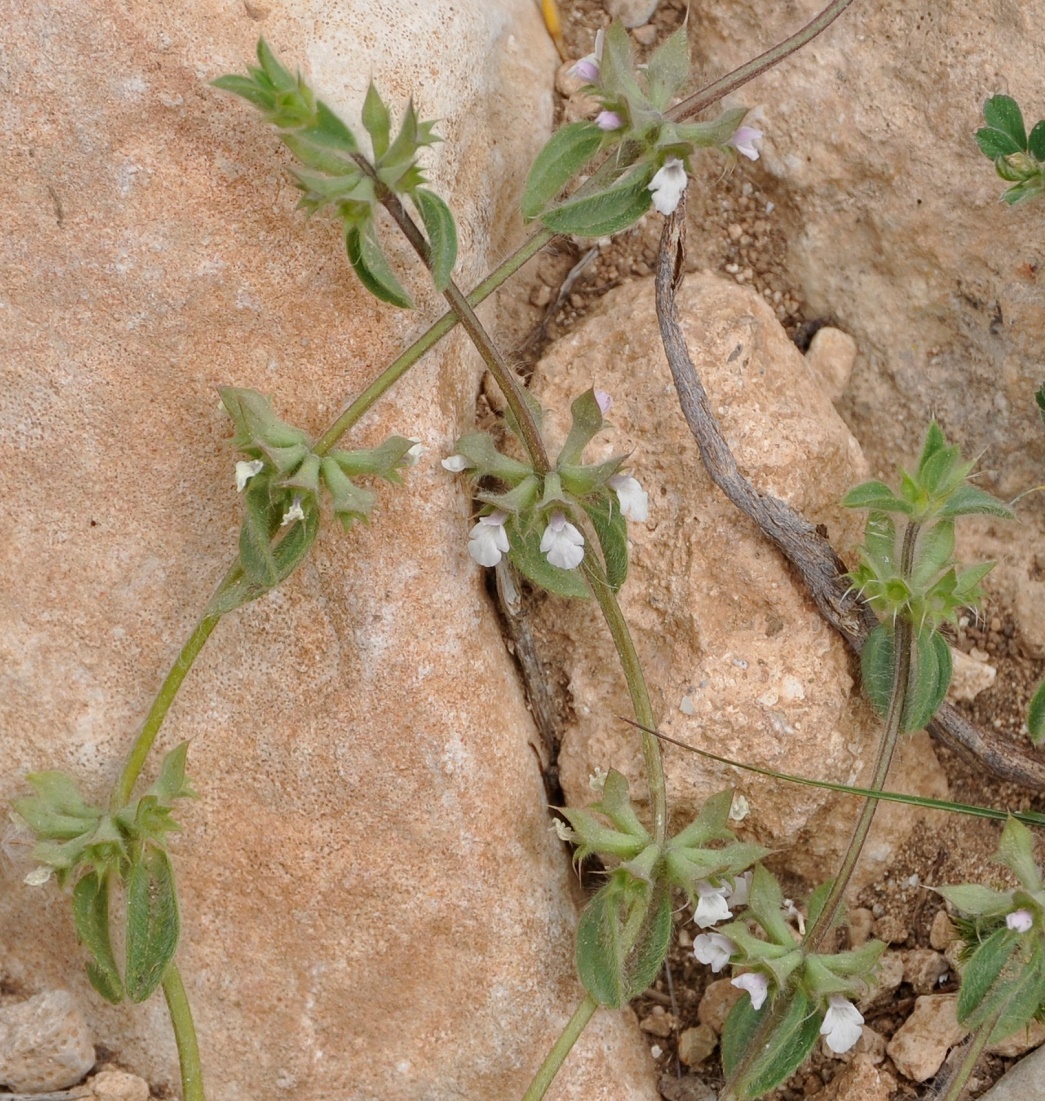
(372, 899)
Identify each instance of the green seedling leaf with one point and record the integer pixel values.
(153, 926)
(565, 155)
(783, 1053)
(612, 531)
(1003, 113)
(876, 496)
(1036, 715)
(611, 973)
(605, 212)
(668, 69)
(281, 79)
(442, 235)
(933, 554)
(996, 143)
(968, 500)
(171, 783)
(372, 267)
(247, 89)
(480, 451)
(57, 811)
(529, 560)
(91, 915)
(377, 121)
(930, 680)
(1036, 141)
(617, 68)
(585, 424)
(330, 131)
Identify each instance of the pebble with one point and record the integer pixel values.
(45, 1043)
(923, 968)
(921, 1043)
(971, 675)
(831, 356)
(658, 1024)
(118, 1085)
(861, 1080)
(696, 1044)
(942, 931)
(718, 1000)
(887, 977)
(632, 13)
(891, 929)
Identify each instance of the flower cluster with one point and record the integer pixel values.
(534, 519)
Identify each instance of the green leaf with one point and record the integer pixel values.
(876, 667)
(974, 899)
(152, 923)
(567, 152)
(1039, 398)
(969, 500)
(585, 425)
(1006, 978)
(877, 496)
(1016, 852)
(171, 783)
(377, 120)
(933, 553)
(442, 235)
(667, 69)
(617, 67)
(1036, 715)
(1036, 141)
(781, 1055)
(330, 131)
(372, 267)
(605, 212)
(260, 522)
(930, 679)
(529, 560)
(612, 531)
(280, 77)
(91, 915)
(996, 143)
(246, 88)
(611, 973)
(1003, 113)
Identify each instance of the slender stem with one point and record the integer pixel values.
(557, 1056)
(973, 1051)
(640, 701)
(184, 1035)
(707, 95)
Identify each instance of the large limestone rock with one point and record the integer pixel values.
(373, 905)
(738, 660)
(894, 223)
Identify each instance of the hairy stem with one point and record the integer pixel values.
(561, 1048)
(184, 1035)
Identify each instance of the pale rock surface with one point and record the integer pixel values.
(717, 1000)
(920, 1045)
(737, 658)
(1019, 1042)
(886, 978)
(696, 1044)
(118, 1085)
(942, 932)
(371, 893)
(970, 677)
(861, 1080)
(632, 13)
(831, 356)
(45, 1043)
(922, 968)
(1024, 1082)
(897, 232)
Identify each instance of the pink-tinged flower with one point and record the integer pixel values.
(713, 949)
(488, 540)
(562, 544)
(667, 185)
(1020, 920)
(604, 401)
(743, 141)
(455, 464)
(294, 513)
(245, 471)
(842, 1024)
(608, 120)
(756, 984)
(588, 67)
(634, 500)
(711, 904)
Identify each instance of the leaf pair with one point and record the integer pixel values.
(929, 680)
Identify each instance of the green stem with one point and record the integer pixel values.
(709, 94)
(640, 701)
(557, 1056)
(973, 1051)
(184, 1035)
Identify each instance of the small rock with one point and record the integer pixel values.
(969, 677)
(44, 1043)
(1029, 610)
(861, 921)
(871, 1044)
(1025, 1040)
(860, 1081)
(1025, 1082)
(118, 1085)
(718, 1000)
(920, 1045)
(831, 356)
(891, 929)
(690, 1088)
(658, 1024)
(887, 977)
(632, 13)
(696, 1044)
(541, 295)
(922, 968)
(942, 931)
(645, 36)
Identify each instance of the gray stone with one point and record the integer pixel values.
(632, 13)
(45, 1043)
(1024, 1082)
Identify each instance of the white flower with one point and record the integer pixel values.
(455, 464)
(414, 453)
(743, 141)
(740, 892)
(608, 120)
(711, 904)
(1020, 920)
(713, 949)
(245, 471)
(295, 512)
(634, 500)
(841, 1027)
(667, 185)
(488, 540)
(564, 832)
(38, 876)
(756, 984)
(604, 401)
(562, 544)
